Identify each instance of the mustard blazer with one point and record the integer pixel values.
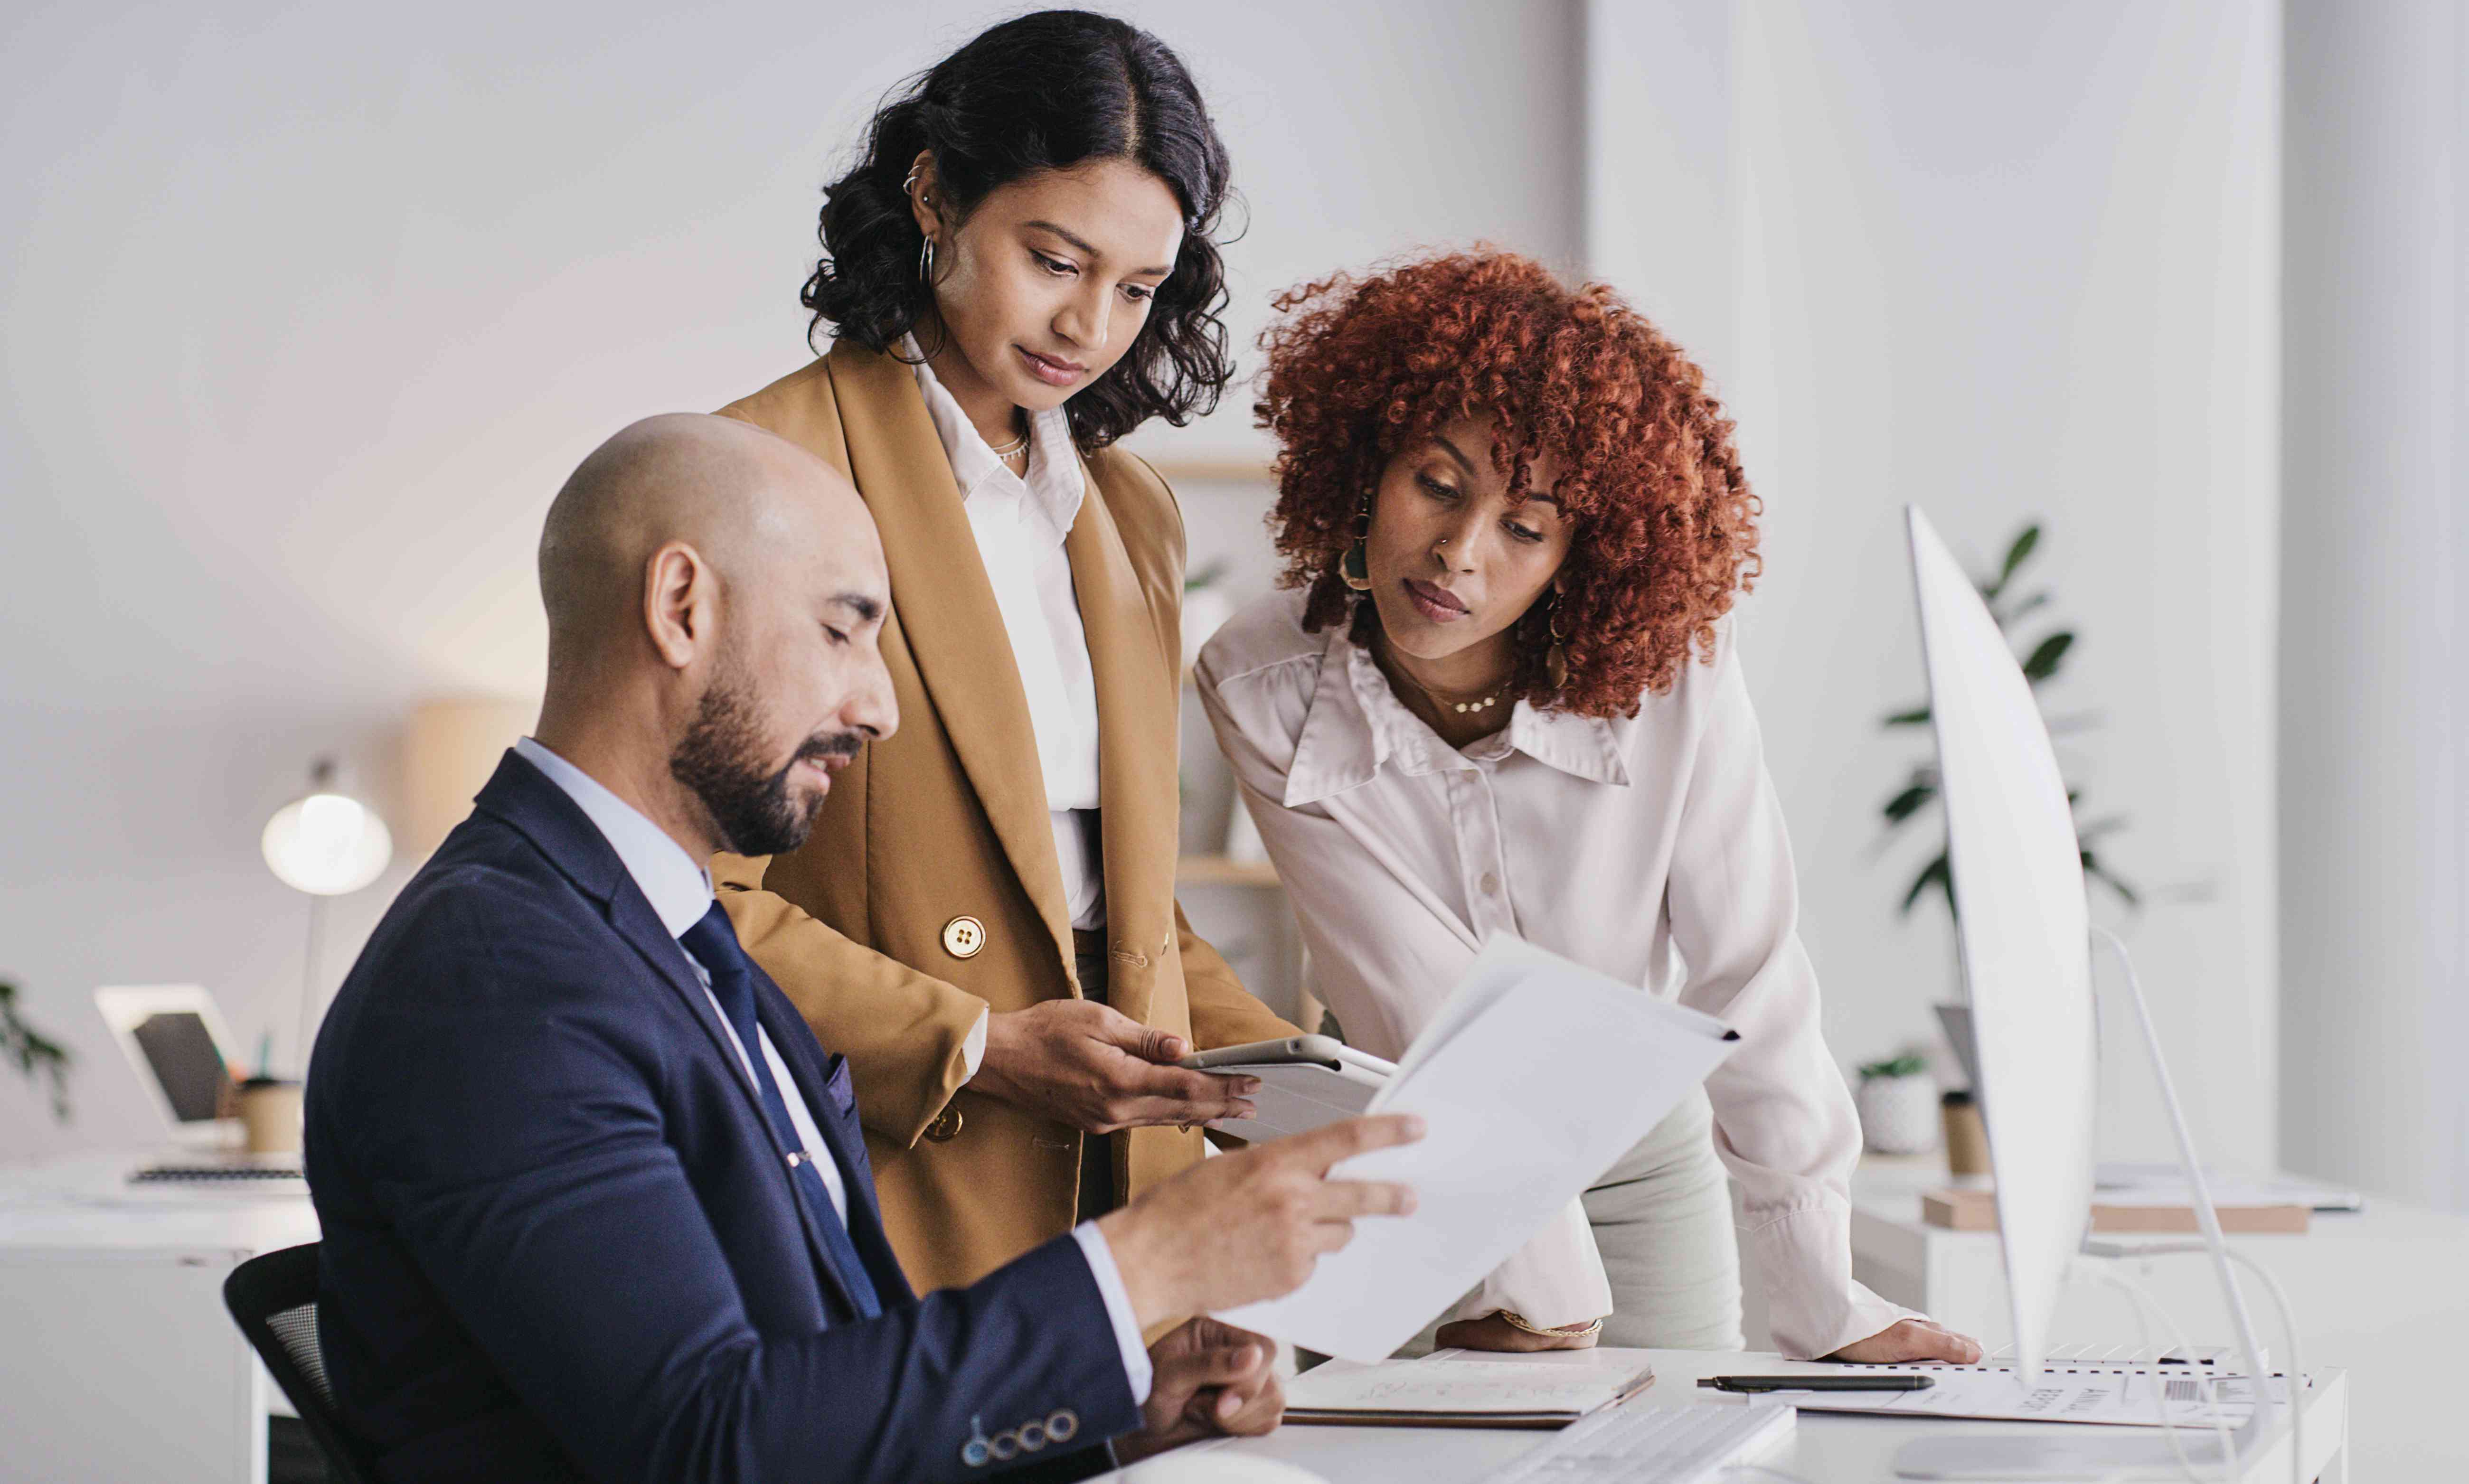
(946, 820)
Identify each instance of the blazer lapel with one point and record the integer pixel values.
(946, 610)
(1139, 695)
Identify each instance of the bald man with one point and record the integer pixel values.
(596, 1205)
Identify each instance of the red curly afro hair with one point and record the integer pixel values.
(1665, 526)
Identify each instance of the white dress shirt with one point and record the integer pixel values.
(1019, 525)
(1651, 848)
(680, 892)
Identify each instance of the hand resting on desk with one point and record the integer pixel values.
(1210, 1379)
(1911, 1339)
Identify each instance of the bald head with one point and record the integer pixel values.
(714, 597)
(728, 488)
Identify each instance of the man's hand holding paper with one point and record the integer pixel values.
(1533, 1080)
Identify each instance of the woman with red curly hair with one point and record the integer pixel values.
(1503, 696)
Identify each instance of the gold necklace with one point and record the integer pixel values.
(1462, 707)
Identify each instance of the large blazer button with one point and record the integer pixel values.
(963, 937)
(946, 1125)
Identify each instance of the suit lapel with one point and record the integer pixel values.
(635, 921)
(1138, 717)
(947, 610)
(799, 1052)
(521, 795)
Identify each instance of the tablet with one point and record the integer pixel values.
(1306, 1081)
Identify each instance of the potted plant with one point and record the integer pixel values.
(1898, 1104)
(38, 1058)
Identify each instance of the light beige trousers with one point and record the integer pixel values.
(1662, 1220)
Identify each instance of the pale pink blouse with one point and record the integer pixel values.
(1651, 848)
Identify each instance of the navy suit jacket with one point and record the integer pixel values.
(560, 1236)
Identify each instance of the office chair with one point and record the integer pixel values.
(274, 1298)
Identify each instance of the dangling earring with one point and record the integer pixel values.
(926, 262)
(1556, 659)
(1354, 568)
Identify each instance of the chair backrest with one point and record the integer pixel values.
(274, 1298)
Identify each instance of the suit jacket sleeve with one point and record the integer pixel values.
(516, 1143)
(901, 1030)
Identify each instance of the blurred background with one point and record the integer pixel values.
(308, 309)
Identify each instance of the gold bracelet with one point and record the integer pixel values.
(1585, 1331)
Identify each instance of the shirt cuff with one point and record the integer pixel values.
(1118, 1309)
(973, 1046)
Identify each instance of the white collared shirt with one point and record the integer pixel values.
(680, 892)
(1651, 848)
(1019, 525)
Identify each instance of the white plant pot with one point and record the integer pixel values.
(1898, 1115)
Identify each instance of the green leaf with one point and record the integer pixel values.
(1910, 1063)
(2019, 552)
(2093, 869)
(2048, 655)
(1938, 873)
(1908, 717)
(1904, 805)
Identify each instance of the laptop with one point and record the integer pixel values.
(175, 1039)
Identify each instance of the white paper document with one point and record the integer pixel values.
(2122, 1398)
(1533, 1077)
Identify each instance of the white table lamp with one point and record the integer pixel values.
(325, 843)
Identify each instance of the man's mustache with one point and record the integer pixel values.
(838, 745)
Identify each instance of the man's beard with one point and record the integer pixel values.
(721, 758)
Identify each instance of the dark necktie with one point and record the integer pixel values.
(713, 943)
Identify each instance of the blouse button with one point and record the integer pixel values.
(1489, 883)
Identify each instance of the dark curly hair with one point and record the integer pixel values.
(1665, 528)
(1042, 92)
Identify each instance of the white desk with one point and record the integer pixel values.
(2381, 1293)
(1825, 1450)
(118, 1360)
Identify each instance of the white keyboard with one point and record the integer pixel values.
(1638, 1443)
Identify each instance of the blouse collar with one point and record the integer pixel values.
(1053, 489)
(1356, 724)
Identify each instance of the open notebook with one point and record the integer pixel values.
(1456, 1388)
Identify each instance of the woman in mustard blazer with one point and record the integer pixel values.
(1017, 273)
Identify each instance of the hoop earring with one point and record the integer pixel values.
(1556, 659)
(1354, 568)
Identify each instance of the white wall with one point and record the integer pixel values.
(2374, 634)
(2006, 261)
(311, 311)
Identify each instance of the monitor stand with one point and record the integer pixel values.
(2102, 1453)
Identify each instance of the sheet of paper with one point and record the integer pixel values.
(1445, 1382)
(2122, 1398)
(1533, 1080)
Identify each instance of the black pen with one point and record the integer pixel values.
(1871, 1381)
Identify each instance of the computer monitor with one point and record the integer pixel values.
(2022, 936)
(175, 1039)
(2024, 941)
